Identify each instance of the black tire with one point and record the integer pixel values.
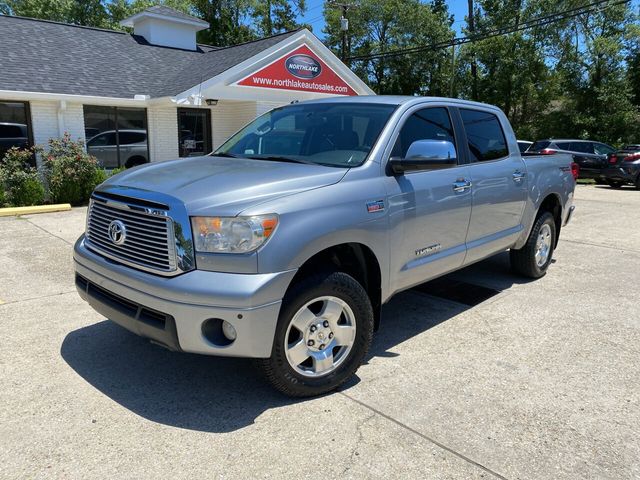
(135, 161)
(277, 368)
(523, 260)
(637, 183)
(614, 184)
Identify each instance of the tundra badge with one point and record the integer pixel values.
(428, 250)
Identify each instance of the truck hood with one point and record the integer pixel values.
(212, 185)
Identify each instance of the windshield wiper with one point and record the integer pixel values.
(278, 158)
(226, 155)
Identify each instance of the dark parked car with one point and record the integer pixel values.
(12, 135)
(524, 145)
(591, 157)
(624, 168)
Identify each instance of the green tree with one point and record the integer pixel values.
(276, 16)
(378, 26)
(511, 70)
(597, 98)
(89, 12)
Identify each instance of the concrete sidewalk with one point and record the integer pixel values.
(539, 381)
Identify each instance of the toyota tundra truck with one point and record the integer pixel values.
(284, 243)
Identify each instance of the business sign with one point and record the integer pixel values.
(300, 70)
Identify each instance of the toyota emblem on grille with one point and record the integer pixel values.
(117, 232)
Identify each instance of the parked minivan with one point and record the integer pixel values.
(132, 145)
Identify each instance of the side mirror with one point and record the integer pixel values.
(426, 155)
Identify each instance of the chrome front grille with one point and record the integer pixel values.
(149, 241)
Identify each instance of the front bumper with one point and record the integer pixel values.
(171, 310)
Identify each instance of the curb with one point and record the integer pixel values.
(12, 211)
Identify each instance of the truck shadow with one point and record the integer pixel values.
(216, 394)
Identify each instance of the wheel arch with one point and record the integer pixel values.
(135, 160)
(357, 260)
(552, 204)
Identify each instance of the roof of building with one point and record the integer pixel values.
(52, 57)
(166, 12)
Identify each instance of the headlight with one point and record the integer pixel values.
(232, 234)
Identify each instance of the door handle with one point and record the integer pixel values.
(518, 176)
(461, 185)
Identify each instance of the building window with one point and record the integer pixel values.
(117, 136)
(194, 132)
(15, 126)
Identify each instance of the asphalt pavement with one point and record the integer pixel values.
(539, 380)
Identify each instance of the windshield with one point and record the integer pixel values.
(333, 134)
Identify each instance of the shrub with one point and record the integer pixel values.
(19, 182)
(101, 176)
(71, 174)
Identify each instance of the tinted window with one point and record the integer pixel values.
(335, 134)
(127, 138)
(12, 131)
(484, 135)
(581, 147)
(102, 140)
(523, 146)
(565, 146)
(540, 145)
(427, 124)
(602, 149)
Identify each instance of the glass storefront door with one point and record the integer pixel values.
(194, 132)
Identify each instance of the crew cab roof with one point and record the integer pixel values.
(399, 100)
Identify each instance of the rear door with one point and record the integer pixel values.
(105, 148)
(499, 180)
(584, 154)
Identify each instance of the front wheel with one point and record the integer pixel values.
(615, 184)
(323, 334)
(534, 258)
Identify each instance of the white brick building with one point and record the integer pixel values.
(155, 94)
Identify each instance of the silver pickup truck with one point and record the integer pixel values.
(284, 243)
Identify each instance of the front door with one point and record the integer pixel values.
(194, 132)
(499, 185)
(428, 217)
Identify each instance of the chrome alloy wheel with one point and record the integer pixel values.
(543, 245)
(320, 336)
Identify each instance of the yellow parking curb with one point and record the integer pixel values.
(11, 211)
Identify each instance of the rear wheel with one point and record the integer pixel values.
(135, 161)
(534, 258)
(323, 334)
(637, 184)
(615, 184)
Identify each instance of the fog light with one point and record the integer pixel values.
(219, 332)
(228, 330)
